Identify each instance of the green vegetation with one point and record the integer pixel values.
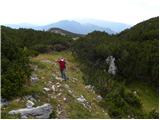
(17, 46)
(131, 93)
(137, 59)
(15, 68)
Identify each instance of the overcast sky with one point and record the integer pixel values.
(49, 11)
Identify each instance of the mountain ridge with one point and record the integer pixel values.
(75, 26)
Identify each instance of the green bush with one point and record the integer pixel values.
(15, 68)
(122, 103)
(153, 114)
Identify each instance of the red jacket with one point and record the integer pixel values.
(62, 65)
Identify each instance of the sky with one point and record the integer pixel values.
(41, 12)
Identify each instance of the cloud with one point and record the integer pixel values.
(47, 11)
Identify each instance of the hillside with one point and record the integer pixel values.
(64, 97)
(111, 63)
(146, 30)
(64, 32)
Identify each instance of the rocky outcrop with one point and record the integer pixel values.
(84, 102)
(40, 112)
(112, 67)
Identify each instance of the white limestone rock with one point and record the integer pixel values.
(29, 104)
(112, 67)
(53, 88)
(81, 99)
(34, 78)
(84, 102)
(99, 98)
(46, 89)
(40, 112)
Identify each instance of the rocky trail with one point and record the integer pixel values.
(65, 99)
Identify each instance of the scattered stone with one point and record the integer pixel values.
(53, 88)
(34, 78)
(75, 79)
(46, 89)
(59, 94)
(70, 91)
(81, 99)
(59, 78)
(50, 82)
(59, 112)
(88, 86)
(66, 86)
(99, 98)
(59, 109)
(106, 114)
(84, 102)
(112, 67)
(58, 86)
(29, 104)
(64, 99)
(40, 112)
(57, 83)
(135, 93)
(129, 116)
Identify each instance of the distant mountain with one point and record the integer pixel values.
(115, 26)
(75, 27)
(64, 32)
(21, 25)
(84, 26)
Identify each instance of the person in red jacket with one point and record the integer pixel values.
(62, 66)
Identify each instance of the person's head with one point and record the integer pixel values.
(62, 59)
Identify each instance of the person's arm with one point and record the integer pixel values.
(57, 61)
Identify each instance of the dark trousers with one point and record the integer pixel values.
(63, 74)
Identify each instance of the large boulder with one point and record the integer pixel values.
(112, 67)
(40, 112)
